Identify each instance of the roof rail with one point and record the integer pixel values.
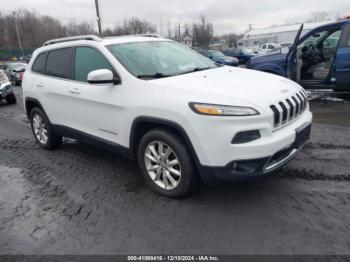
(73, 38)
(136, 35)
(149, 35)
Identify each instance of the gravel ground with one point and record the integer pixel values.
(84, 200)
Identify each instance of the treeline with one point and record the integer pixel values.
(34, 29)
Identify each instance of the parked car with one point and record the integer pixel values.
(269, 48)
(14, 71)
(180, 115)
(242, 54)
(6, 89)
(220, 58)
(319, 59)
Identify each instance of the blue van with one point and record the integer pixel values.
(319, 59)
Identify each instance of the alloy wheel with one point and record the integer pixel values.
(39, 128)
(162, 165)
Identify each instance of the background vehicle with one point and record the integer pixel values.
(320, 59)
(269, 48)
(6, 90)
(242, 54)
(14, 71)
(178, 113)
(220, 58)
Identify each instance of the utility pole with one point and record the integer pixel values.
(18, 36)
(250, 27)
(98, 17)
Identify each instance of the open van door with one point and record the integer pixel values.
(342, 62)
(291, 58)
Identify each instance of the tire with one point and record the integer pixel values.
(180, 185)
(11, 99)
(40, 122)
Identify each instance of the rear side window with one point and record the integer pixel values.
(86, 60)
(39, 64)
(59, 63)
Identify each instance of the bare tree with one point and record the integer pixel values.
(134, 26)
(319, 17)
(203, 32)
(82, 28)
(35, 29)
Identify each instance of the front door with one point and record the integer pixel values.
(97, 108)
(342, 64)
(315, 57)
(291, 61)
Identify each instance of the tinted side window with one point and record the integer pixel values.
(59, 63)
(39, 63)
(88, 59)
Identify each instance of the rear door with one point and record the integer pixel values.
(342, 63)
(54, 86)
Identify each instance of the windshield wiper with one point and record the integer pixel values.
(154, 76)
(197, 69)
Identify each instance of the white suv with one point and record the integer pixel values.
(183, 117)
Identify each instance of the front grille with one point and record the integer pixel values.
(286, 110)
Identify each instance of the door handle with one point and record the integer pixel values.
(40, 84)
(75, 91)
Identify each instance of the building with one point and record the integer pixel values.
(281, 35)
(187, 40)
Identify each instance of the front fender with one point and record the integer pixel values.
(270, 68)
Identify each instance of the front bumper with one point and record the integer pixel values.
(219, 158)
(243, 169)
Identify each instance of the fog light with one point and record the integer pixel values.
(246, 136)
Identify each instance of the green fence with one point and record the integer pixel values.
(8, 52)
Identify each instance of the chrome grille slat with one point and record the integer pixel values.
(286, 110)
(291, 110)
(296, 106)
(279, 108)
(301, 103)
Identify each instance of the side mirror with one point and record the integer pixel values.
(102, 76)
(285, 50)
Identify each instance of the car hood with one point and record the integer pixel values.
(270, 57)
(230, 85)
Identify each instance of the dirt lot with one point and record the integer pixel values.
(83, 200)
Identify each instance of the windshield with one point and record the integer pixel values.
(155, 59)
(19, 67)
(246, 51)
(216, 53)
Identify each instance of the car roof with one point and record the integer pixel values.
(96, 41)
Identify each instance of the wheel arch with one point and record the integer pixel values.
(30, 103)
(143, 124)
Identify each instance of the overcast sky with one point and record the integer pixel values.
(227, 15)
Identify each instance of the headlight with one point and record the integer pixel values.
(222, 110)
(5, 87)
